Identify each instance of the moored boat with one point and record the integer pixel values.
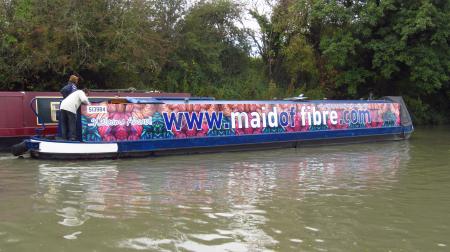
(150, 126)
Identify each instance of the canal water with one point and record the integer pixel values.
(388, 196)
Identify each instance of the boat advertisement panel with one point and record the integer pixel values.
(103, 122)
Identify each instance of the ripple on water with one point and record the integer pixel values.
(212, 216)
(7, 157)
(72, 217)
(224, 232)
(144, 243)
(13, 240)
(229, 246)
(277, 231)
(312, 229)
(209, 237)
(184, 207)
(226, 215)
(72, 236)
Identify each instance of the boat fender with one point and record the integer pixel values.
(19, 149)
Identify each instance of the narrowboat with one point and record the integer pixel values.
(139, 127)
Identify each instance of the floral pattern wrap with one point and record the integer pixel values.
(104, 122)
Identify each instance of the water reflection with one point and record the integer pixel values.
(273, 200)
(95, 190)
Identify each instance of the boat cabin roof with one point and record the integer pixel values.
(211, 100)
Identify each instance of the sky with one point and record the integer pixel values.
(261, 6)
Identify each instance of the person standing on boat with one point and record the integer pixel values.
(70, 87)
(68, 113)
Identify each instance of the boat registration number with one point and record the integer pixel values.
(97, 109)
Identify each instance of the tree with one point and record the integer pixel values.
(110, 43)
(211, 48)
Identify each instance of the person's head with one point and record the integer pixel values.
(86, 91)
(74, 79)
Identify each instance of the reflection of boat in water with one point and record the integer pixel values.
(340, 168)
(245, 199)
(145, 127)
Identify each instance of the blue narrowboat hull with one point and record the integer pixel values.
(146, 148)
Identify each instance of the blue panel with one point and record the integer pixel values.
(219, 141)
(148, 100)
(32, 145)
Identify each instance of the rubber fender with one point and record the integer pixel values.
(19, 149)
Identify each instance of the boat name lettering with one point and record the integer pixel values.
(131, 121)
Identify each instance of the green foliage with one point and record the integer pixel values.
(110, 43)
(212, 58)
(321, 48)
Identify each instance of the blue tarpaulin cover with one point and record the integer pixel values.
(149, 100)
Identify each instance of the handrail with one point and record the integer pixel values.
(125, 90)
(39, 131)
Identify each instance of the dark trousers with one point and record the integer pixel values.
(68, 125)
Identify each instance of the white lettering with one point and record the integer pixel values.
(240, 117)
(333, 117)
(114, 122)
(316, 117)
(256, 120)
(272, 117)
